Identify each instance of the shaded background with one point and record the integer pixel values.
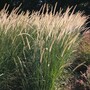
(36, 4)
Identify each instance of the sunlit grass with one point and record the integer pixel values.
(34, 49)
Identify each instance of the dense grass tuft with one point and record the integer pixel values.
(34, 49)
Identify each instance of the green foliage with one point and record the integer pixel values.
(36, 48)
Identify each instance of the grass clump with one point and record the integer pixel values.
(36, 48)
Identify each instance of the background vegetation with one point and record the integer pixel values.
(83, 5)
